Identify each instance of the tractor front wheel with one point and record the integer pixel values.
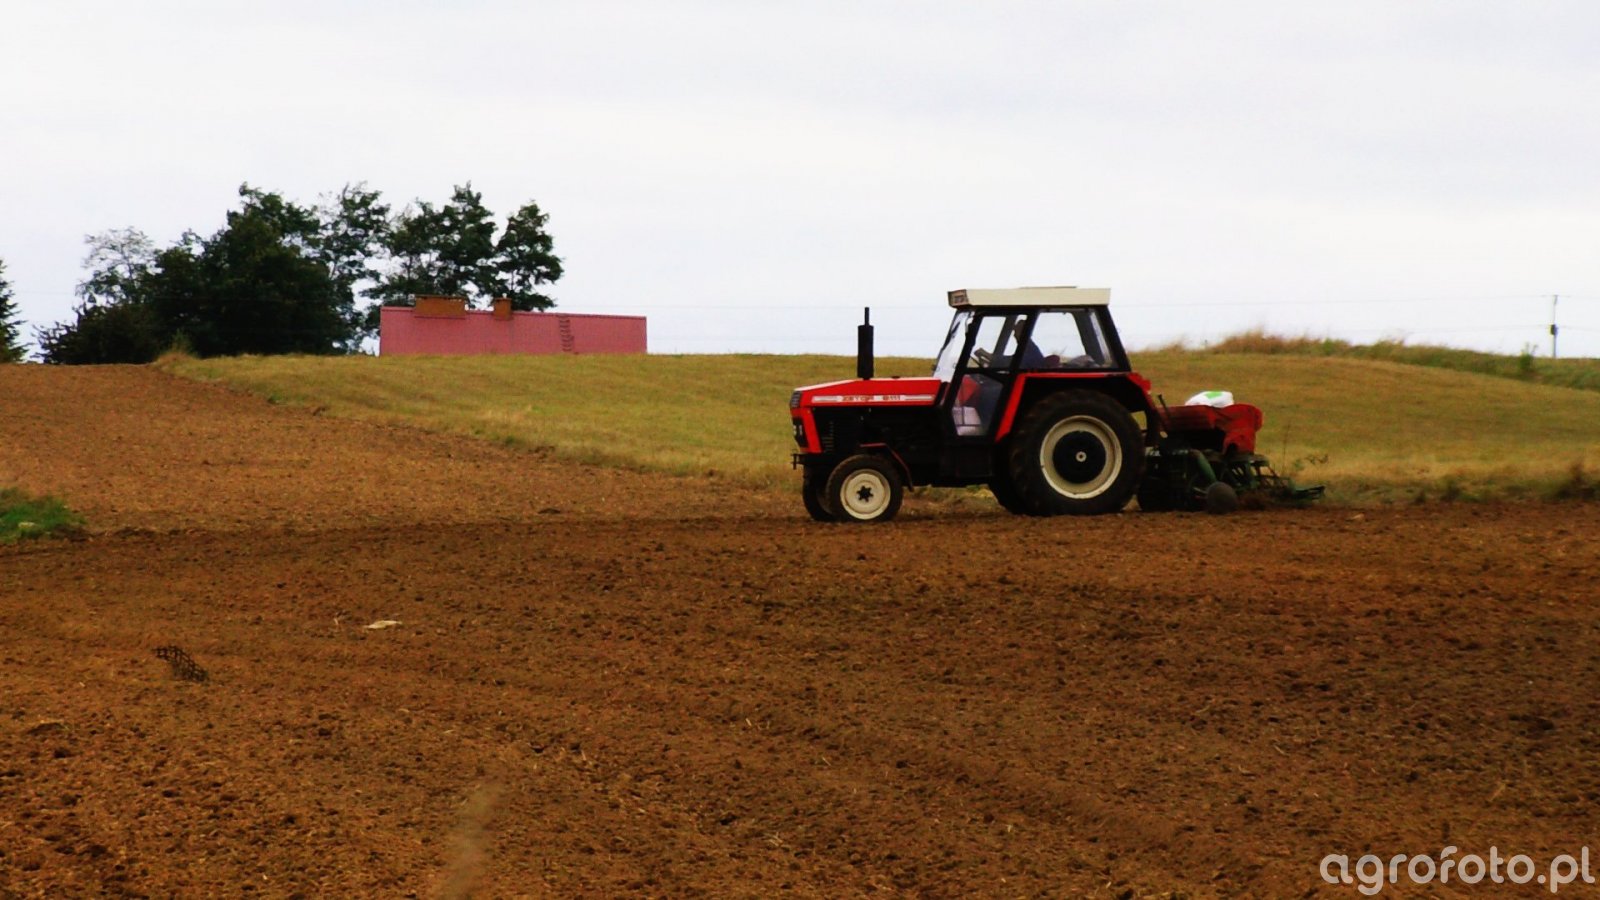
(864, 488)
(1076, 453)
(813, 482)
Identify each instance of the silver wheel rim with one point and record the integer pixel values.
(1083, 435)
(864, 494)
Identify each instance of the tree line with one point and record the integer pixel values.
(281, 277)
(10, 327)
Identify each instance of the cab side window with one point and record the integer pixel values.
(1070, 339)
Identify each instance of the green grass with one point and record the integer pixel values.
(23, 517)
(1373, 430)
(689, 415)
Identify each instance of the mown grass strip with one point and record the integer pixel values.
(684, 415)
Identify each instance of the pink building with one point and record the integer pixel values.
(444, 326)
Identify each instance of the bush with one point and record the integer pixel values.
(115, 333)
(1578, 485)
(1258, 341)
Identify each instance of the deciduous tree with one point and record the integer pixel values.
(526, 259)
(353, 229)
(280, 277)
(250, 288)
(118, 261)
(453, 250)
(253, 287)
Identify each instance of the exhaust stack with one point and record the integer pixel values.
(864, 360)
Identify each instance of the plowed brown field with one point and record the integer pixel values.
(606, 683)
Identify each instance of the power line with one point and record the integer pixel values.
(1203, 304)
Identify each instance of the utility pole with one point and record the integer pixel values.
(1554, 299)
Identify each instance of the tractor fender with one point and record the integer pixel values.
(1127, 388)
(885, 450)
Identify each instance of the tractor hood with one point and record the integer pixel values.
(867, 392)
(808, 403)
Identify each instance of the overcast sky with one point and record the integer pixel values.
(749, 174)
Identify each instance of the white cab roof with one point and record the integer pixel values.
(1031, 296)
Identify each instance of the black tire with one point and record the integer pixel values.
(864, 488)
(1076, 453)
(812, 484)
(1005, 493)
(1221, 499)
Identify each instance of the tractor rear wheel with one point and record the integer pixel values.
(864, 488)
(813, 481)
(1005, 492)
(1076, 453)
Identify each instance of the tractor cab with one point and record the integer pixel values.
(997, 335)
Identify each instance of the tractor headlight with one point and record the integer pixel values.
(800, 432)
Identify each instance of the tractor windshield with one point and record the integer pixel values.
(944, 367)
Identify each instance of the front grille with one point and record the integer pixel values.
(794, 400)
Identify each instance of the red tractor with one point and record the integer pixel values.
(1032, 395)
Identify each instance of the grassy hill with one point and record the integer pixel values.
(1573, 373)
(1370, 429)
